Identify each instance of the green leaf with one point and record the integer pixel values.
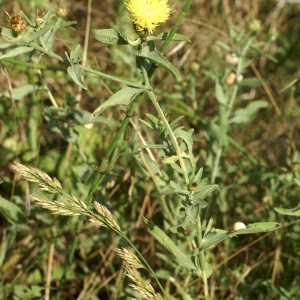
(110, 36)
(121, 97)
(36, 34)
(159, 59)
(165, 241)
(16, 51)
(5, 45)
(204, 190)
(74, 54)
(209, 226)
(219, 133)
(57, 119)
(75, 74)
(47, 39)
(172, 159)
(224, 46)
(215, 236)
(193, 211)
(164, 35)
(251, 82)
(11, 212)
(244, 115)
(174, 122)
(155, 146)
(21, 92)
(208, 268)
(258, 227)
(10, 36)
(198, 176)
(266, 54)
(186, 136)
(28, 292)
(198, 201)
(289, 212)
(220, 95)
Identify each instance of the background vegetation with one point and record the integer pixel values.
(255, 171)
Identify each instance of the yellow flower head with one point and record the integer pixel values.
(147, 14)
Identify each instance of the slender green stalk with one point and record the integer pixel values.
(49, 53)
(250, 157)
(50, 96)
(162, 195)
(239, 69)
(33, 65)
(167, 128)
(114, 78)
(177, 24)
(202, 258)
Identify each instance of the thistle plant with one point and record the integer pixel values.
(176, 151)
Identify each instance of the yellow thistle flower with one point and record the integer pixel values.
(147, 14)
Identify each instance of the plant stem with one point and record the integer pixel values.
(162, 195)
(202, 258)
(238, 71)
(114, 78)
(49, 53)
(167, 128)
(33, 65)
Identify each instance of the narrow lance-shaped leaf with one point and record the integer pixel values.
(74, 72)
(164, 35)
(110, 36)
(36, 34)
(21, 92)
(159, 59)
(244, 115)
(16, 51)
(11, 212)
(186, 136)
(47, 38)
(289, 212)
(204, 190)
(215, 236)
(165, 241)
(121, 97)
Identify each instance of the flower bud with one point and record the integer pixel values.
(39, 19)
(17, 23)
(62, 10)
(232, 58)
(254, 25)
(230, 79)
